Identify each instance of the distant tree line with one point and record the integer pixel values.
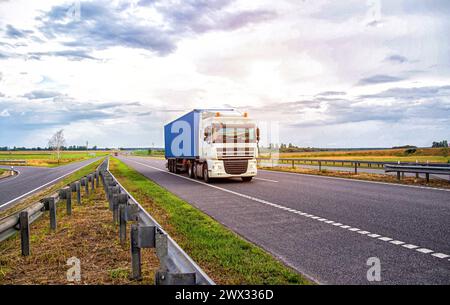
(440, 144)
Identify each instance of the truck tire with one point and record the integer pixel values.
(205, 173)
(175, 168)
(191, 170)
(246, 179)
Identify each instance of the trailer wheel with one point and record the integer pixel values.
(175, 168)
(205, 173)
(169, 165)
(191, 170)
(246, 179)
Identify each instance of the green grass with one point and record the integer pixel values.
(2, 171)
(48, 158)
(225, 256)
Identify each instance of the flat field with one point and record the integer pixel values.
(48, 158)
(432, 155)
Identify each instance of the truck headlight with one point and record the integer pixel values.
(252, 165)
(217, 165)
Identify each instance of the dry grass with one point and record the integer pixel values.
(4, 173)
(440, 155)
(363, 176)
(88, 234)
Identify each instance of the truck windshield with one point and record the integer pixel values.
(232, 133)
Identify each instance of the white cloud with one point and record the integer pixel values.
(5, 113)
(279, 52)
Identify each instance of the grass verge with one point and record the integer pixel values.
(225, 256)
(49, 190)
(89, 235)
(362, 176)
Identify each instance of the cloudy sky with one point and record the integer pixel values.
(329, 73)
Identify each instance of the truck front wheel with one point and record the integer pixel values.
(247, 179)
(205, 173)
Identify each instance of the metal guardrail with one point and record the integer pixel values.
(353, 163)
(13, 162)
(417, 169)
(176, 267)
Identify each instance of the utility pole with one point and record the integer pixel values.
(87, 151)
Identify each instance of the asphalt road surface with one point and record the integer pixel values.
(352, 169)
(328, 228)
(31, 179)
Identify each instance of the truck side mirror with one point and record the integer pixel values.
(257, 134)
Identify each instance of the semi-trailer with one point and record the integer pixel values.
(212, 143)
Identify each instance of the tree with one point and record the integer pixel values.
(56, 143)
(440, 144)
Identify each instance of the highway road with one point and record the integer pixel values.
(31, 179)
(328, 228)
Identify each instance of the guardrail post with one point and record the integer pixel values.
(86, 185)
(398, 176)
(65, 193)
(78, 189)
(293, 166)
(97, 182)
(24, 233)
(117, 200)
(427, 176)
(91, 177)
(135, 254)
(52, 212)
(356, 168)
(68, 201)
(320, 166)
(122, 223)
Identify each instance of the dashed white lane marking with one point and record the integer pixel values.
(264, 179)
(324, 220)
(385, 238)
(397, 242)
(440, 255)
(424, 250)
(363, 232)
(409, 246)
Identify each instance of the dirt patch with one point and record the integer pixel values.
(89, 235)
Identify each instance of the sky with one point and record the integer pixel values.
(351, 73)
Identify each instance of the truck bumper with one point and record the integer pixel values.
(216, 170)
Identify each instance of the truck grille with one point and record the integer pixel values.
(235, 167)
(237, 152)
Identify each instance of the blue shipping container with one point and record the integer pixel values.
(181, 136)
